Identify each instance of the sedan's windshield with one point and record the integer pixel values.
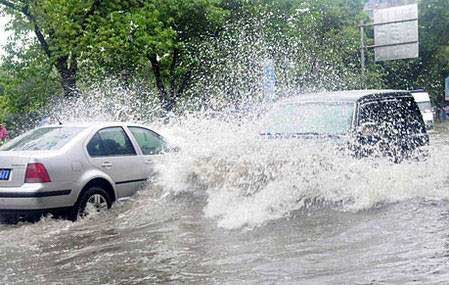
(329, 118)
(46, 138)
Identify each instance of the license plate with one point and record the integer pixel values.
(4, 174)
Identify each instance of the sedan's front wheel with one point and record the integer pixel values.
(92, 201)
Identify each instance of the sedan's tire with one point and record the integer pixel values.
(91, 201)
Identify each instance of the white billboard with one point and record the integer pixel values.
(396, 33)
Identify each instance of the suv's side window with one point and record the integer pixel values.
(150, 143)
(110, 142)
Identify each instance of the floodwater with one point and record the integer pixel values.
(231, 209)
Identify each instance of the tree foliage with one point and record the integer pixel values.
(130, 38)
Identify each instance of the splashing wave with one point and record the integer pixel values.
(249, 181)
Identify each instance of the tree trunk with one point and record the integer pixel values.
(68, 76)
(167, 103)
(173, 74)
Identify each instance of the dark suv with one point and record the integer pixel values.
(373, 122)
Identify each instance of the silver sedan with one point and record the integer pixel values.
(75, 169)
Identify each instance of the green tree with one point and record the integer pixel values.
(59, 26)
(142, 36)
(26, 81)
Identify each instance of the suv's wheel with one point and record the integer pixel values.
(94, 200)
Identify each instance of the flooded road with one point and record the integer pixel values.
(231, 210)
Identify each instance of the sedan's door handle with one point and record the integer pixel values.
(106, 165)
(148, 162)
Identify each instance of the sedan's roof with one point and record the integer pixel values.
(94, 124)
(344, 96)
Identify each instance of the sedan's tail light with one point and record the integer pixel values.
(36, 173)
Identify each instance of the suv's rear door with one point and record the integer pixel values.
(111, 151)
(398, 119)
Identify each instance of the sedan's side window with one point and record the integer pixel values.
(150, 143)
(95, 147)
(110, 142)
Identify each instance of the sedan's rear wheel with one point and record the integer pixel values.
(92, 201)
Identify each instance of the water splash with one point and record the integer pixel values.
(107, 101)
(250, 181)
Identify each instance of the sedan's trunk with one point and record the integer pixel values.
(16, 165)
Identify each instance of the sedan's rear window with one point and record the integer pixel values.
(45, 138)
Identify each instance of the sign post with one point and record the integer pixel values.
(362, 49)
(446, 89)
(269, 80)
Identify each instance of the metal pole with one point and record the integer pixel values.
(362, 52)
